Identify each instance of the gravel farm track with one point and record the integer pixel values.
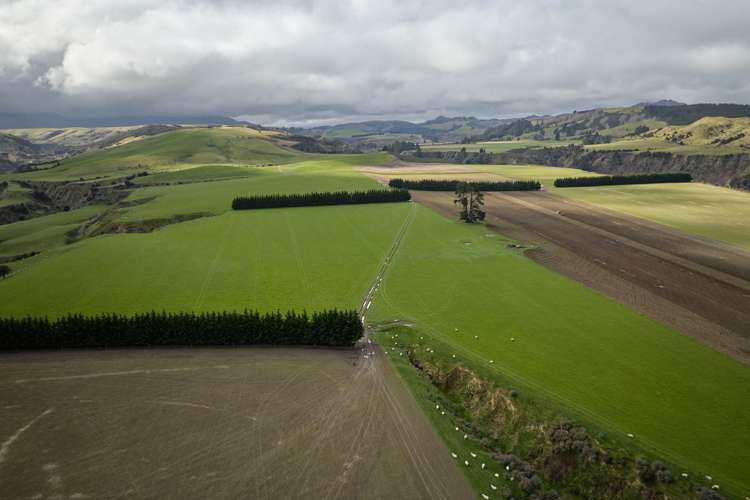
(699, 287)
(216, 423)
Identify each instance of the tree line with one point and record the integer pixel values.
(451, 185)
(328, 328)
(322, 198)
(619, 180)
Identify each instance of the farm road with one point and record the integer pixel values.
(364, 306)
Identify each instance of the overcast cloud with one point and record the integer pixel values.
(288, 61)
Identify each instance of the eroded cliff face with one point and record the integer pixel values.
(722, 170)
(50, 197)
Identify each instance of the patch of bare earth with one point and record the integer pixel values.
(419, 171)
(699, 287)
(216, 423)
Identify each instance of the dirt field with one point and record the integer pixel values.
(420, 171)
(215, 423)
(699, 287)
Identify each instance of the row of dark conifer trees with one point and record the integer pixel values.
(450, 185)
(326, 328)
(323, 198)
(619, 180)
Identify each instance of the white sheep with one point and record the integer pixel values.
(494, 488)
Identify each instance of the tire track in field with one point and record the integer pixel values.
(297, 255)
(364, 306)
(214, 263)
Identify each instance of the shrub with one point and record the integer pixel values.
(330, 328)
(4, 270)
(451, 185)
(319, 199)
(619, 180)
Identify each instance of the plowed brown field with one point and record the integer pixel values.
(215, 423)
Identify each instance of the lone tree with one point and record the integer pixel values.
(471, 201)
(4, 271)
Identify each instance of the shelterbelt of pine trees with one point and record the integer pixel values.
(317, 199)
(326, 328)
(619, 180)
(450, 185)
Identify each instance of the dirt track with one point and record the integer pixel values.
(699, 287)
(215, 423)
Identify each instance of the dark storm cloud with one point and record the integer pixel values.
(297, 61)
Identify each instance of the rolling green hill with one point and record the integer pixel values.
(173, 150)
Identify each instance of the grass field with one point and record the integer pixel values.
(301, 258)
(700, 209)
(175, 150)
(579, 350)
(611, 366)
(710, 135)
(42, 233)
(333, 174)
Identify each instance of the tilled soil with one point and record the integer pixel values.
(699, 287)
(216, 423)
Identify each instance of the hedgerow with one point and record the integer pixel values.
(619, 180)
(317, 199)
(450, 185)
(329, 328)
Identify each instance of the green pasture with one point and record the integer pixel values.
(173, 150)
(622, 371)
(301, 258)
(659, 145)
(701, 209)
(13, 194)
(695, 208)
(545, 175)
(629, 128)
(42, 233)
(329, 174)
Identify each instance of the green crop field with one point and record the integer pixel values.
(700, 209)
(610, 365)
(306, 258)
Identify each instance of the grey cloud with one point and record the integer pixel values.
(298, 61)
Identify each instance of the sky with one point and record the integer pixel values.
(296, 62)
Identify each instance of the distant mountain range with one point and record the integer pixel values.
(614, 121)
(53, 120)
